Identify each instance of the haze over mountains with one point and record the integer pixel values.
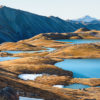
(18, 25)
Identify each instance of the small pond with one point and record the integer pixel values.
(73, 86)
(15, 52)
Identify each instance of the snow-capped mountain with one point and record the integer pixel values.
(86, 19)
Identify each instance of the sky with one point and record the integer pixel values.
(66, 9)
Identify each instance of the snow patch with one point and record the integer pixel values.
(29, 76)
(59, 86)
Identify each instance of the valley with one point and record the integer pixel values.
(65, 71)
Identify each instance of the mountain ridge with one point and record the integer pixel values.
(18, 25)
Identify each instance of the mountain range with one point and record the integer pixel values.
(17, 25)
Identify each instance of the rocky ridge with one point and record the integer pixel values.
(17, 25)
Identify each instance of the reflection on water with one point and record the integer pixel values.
(79, 41)
(82, 68)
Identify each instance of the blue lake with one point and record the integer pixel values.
(73, 86)
(15, 52)
(77, 86)
(79, 41)
(7, 58)
(81, 68)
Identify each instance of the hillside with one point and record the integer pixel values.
(18, 25)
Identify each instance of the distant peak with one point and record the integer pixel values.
(86, 18)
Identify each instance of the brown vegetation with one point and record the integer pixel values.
(91, 50)
(43, 63)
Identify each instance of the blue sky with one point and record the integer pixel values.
(66, 9)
